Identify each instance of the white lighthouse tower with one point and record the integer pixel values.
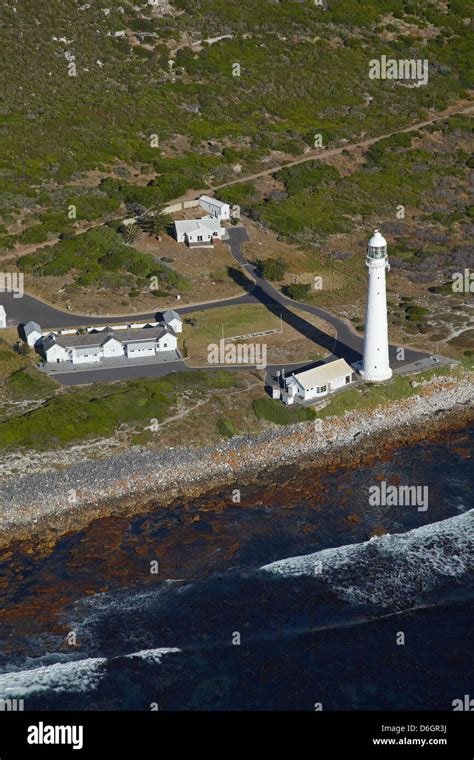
(375, 362)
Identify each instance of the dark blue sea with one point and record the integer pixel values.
(301, 596)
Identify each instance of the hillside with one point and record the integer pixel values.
(98, 80)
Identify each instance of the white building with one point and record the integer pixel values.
(215, 208)
(3, 317)
(32, 332)
(172, 319)
(199, 233)
(375, 362)
(314, 383)
(92, 348)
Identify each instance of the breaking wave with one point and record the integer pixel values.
(71, 677)
(60, 677)
(394, 570)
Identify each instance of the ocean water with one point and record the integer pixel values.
(293, 598)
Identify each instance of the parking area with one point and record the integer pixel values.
(116, 363)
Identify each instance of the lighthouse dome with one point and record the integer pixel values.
(377, 240)
(377, 246)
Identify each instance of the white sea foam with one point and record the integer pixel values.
(69, 677)
(60, 677)
(153, 655)
(393, 569)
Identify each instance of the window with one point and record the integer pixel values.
(348, 378)
(199, 237)
(324, 388)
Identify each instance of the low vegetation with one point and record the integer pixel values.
(97, 411)
(100, 257)
(274, 411)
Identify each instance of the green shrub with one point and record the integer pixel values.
(273, 269)
(275, 411)
(297, 291)
(226, 427)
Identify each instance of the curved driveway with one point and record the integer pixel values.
(347, 344)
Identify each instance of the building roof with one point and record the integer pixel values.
(71, 341)
(323, 374)
(31, 327)
(171, 314)
(214, 201)
(48, 342)
(207, 223)
(100, 338)
(140, 334)
(377, 240)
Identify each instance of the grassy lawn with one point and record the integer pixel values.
(287, 346)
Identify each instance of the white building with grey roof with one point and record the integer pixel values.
(32, 332)
(199, 233)
(94, 347)
(172, 319)
(217, 209)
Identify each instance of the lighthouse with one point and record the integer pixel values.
(375, 361)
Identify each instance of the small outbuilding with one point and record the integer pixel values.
(3, 317)
(217, 209)
(172, 319)
(32, 332)
(313, 383)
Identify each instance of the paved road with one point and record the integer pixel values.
(348, 344)
(22, 310)
(121, 373)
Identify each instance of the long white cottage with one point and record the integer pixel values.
(217, 209)
(314, 383)
(92, 347)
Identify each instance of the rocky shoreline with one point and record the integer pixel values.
(44, 506)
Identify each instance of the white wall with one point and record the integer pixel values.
(179, 235)
(176, 325)
(171, 209)
(338, 382)
(56, 352)
(167, 343)
(92, 356)
(217, 211)
(33, 337)
(112, 348)
(193, 236)
(138, 352)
